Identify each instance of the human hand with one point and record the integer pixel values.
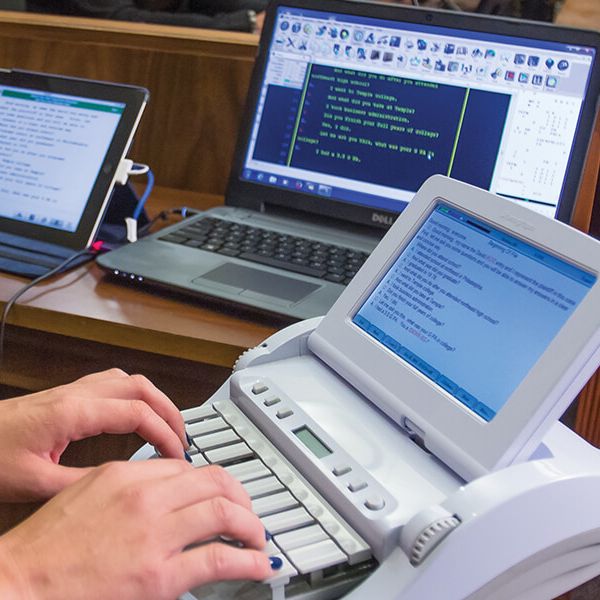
(119, 532)
(260, 22)
(35, 429)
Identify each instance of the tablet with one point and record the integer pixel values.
(62, 140)
(473, 325)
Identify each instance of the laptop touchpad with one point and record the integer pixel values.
(241, 279)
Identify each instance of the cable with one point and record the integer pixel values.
(9, 304)
(143, 169)
(184, 211)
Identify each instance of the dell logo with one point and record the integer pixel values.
(382, 218)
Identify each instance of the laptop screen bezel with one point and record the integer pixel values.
(256, 196)
(134, 100)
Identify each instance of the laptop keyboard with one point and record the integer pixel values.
(267, 247)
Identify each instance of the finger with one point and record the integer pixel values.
(102, 375)
(197, 485)
(138, 387)
(52, 478)
(109, 415)
(209, 519)
(48, 479)
(216, 562)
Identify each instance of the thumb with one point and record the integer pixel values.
(52, 478)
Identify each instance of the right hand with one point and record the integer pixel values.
(120, 532)
(260, 22)
(35, 429)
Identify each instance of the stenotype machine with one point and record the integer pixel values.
(407, 445)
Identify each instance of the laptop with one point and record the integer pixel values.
(63, 143)
(351, 107)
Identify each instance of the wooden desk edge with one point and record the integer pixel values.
(132, 337)
(148, 35)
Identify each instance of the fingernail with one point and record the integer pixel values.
(276, 562)
(187, 456)
(268, 536)
(189, 439)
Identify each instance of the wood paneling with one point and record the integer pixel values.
(197, 80)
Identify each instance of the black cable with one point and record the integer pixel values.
(10, 303)
(184, 211)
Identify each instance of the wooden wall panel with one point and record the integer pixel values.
(197, 79)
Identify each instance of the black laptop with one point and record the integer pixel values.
(352, 106)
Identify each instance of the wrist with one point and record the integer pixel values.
(11, 587)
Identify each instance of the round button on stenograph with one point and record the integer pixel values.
(375, 502)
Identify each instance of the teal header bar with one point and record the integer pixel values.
(64, 101)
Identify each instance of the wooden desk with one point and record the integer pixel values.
(197, 78)
(82, 321)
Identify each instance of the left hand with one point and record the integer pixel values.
(35, 429)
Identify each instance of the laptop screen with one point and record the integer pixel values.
(53, 146)
(472, 307)
(362, 110)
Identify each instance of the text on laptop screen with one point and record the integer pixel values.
(363, 110)
(52, 147)
(471, 307)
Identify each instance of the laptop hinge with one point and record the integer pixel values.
(318, 220)
(416, 434)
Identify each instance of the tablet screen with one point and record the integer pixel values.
(472, 307)
(62, 140)
(52, 148)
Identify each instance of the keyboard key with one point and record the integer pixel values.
(198, 460)
(316, 556)
(199, 412)
(301, 537)
(273, 504)
(229, 453)
(261, 487)
(176, 238)
(287, 520)
(206, 426)
(228, 251)
(249, 470)
(214, 440)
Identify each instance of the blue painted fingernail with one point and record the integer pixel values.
(268, 536)
(189, 439)
(276, 562)
(187, 456)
